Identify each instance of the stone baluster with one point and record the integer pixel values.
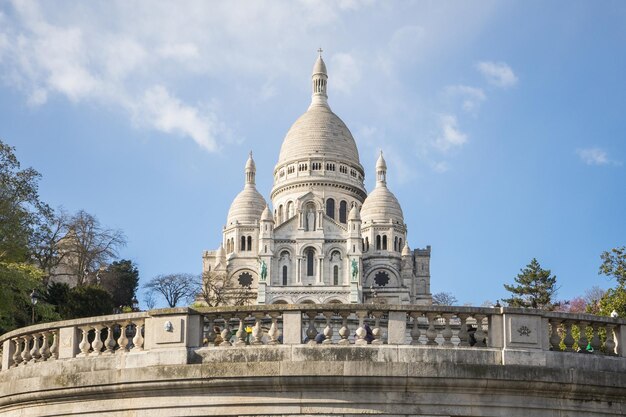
(377, 332)
(361, 332)
(273, 332)
(96, 344)
(609, 345)
(415, 331)
(344, 332)
(210, 334)
(257, 330)
(17, 355)
(34, 351)
(44, 351)
(463, 334)
(54, 349)
(447, 331)
(311, 331)
(596, 344)
(479, 335)
(122, 341)
(226, 332)
(328, 330)
(582, 338)
(26, 351)
(138, 338)
(241, 331)
(555, 337)
(568, 340)
(109, 342)
(431, 332)
(84, 343)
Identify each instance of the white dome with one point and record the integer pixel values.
(247, 207)
(381, 206)
(319, 133)
(249, 204)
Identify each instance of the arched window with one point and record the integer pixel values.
(330, 208)
(290, 213)
(284, 274)
(335, 275)
(367, 244)
(400, 247)
(249, 243)
(310, 262)
(280, 213)
(395, 243)
(343, 210)
(377, 242)
(242, 247)
(384, 242)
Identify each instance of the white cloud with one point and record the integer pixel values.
(440, 167)
(472, 97)
(497, 73)
(179, 51)
(450, 136)
(346, 72)
(168, 114)
(593, 156)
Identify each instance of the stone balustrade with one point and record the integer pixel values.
(506, 329)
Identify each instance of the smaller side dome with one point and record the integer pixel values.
(266, 216)
(354, 214)
(405, 250)
(381, 205)
(249, 204)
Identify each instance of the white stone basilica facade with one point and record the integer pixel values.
(327, 240)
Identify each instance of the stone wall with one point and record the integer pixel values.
(171, 363)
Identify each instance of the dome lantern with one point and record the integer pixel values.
(319, 82)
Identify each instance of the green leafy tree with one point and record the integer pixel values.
(614, 264)
(614, 300)
(21, 210)
(120, 279)
(536, 288)
(89, 301)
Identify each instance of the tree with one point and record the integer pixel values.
(444, 299)
(218, 289)
(536, 288)
(87, 247)
(614, 264)
(89, 301)
(120, 279)
(20, 207)
(174, 287)
(614, 300)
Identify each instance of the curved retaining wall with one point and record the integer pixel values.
(177, 373)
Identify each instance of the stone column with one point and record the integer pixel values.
(292, 327)
(320, 270)
(68, 342)
(396, 328)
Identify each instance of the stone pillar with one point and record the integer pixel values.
(181, 329)
(299, 270)
(8, 349)
(396, 328)
(68, 342)
(292, 327)
(496, 331)
(320, 270)
(620, 339)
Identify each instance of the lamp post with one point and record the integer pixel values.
(34, 297)
(135, 305)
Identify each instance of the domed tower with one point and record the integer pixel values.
(237, 256)
(384, 236)
(318, 156)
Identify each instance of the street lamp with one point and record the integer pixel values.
(135, 305)
(34, 297)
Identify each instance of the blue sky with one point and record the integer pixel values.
(502, 122)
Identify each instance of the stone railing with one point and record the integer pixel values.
(505, 329)
(104, 335)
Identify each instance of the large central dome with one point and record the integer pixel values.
(319, 133)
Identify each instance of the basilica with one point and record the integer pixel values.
(325, 239)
